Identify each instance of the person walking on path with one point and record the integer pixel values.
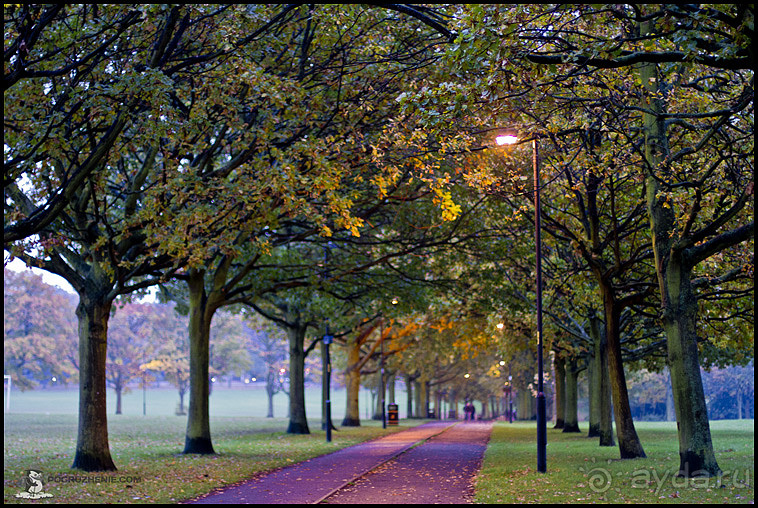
(470, 411)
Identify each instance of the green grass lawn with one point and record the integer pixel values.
(40, 432)
(579, 471)
(147, 452)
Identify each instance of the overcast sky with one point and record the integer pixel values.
(54, 280)
(50, 278)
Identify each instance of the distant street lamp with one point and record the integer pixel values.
(328, 370)
(510, 394)
(541, 420)
(381, 362)
(144, 385)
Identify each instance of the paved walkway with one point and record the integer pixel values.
(439, 470)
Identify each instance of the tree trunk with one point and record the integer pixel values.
(296, 335)
(422, 398)
(560, 391)
(427, 401)
(485, 413)
(378, 401)
(630, 446)
(438, 404)
(526, 405)
(602, 383)
(181, 402)
(679, 322)
(119, 390)
(409, 391)
(271, 376)
(198, 436)
(571, 407)
(678, 301)
(417, 402)
(353, 381)
(353, 374)
(593, 386)
(92, 450)
(452, 402)
(353, 387)
(391, 387)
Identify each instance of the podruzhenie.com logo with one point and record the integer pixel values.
(92, 478)
(34, 483)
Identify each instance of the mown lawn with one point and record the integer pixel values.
(147, 452)
(579, 471)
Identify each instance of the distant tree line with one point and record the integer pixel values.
(147, 343)
(729, 394)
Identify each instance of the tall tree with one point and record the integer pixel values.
(685, 75)
(168, 329)
(281, 147)
(228, 340)
(353, 368)
(129, 346)
(268, 344)
(134, 70)
(684, 233)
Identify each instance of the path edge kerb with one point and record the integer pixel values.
(384, 461)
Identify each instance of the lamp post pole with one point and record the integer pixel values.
(381, 361)
(510, 395)
(144, 385)
(328, 370)
(509, 139)
(541, 420)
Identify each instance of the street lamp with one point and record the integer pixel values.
(510, 394)
(541, 421)
(394, 301)
(328, 338)
(381, 370)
